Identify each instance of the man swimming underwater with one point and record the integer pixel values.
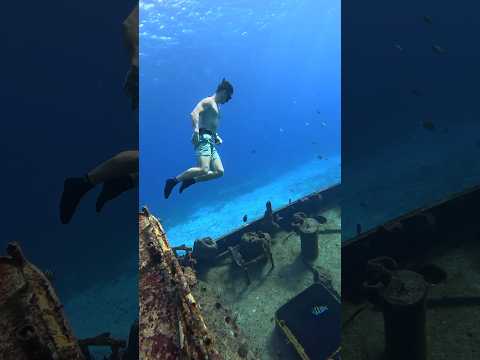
(205, 120)
(119, 173)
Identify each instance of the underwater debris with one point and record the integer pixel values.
(254, 244)
(104, 339)
(205, 250)
(188, 259)
(245, 218)
(269, 220)
(403, 295)
(438, 49)
(252, 248)
(167, 306)
(32, 321)
(182, 247)
(308, 230)
(297, 219)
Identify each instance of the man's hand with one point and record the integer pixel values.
(195, 137)
(218, 140)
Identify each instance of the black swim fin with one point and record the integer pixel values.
(169, 185)
(112, 189)
(73, 191)
(186, 184)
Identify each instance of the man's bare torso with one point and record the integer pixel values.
(209, 117)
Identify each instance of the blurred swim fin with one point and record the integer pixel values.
(73, 190)
(112, 189)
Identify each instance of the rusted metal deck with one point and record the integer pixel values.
(411, 236)
(314, 202)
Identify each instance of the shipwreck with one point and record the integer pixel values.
(269, 289)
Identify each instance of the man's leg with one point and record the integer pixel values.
(216, 171)
(120, 165)
(74, 189)
(201, 169)
(116, 187)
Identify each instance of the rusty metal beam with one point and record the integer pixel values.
(32, 322)
(171, 324)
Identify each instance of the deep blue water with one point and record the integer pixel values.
(389, 161)
(283, 58)
(63, 112)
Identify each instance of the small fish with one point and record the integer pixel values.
(428, 125)
(398, 47)
(427, 19)
(320, 157)
(318, 310)
(438, 49)
(318, 112)
(323, 123)
(245, 218)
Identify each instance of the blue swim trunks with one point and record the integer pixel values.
(206, 147)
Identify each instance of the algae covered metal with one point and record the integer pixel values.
(32, 322)
(171, 325)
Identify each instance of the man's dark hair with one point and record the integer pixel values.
(225, 85)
